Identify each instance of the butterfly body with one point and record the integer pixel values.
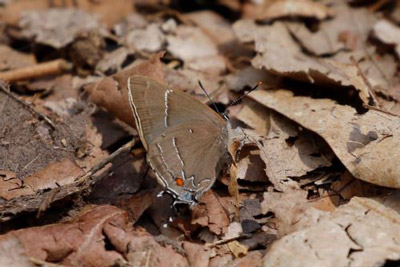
(186, 141)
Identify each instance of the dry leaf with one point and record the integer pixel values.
(237, 249)
(121, 8)
(293, 8)
(365, 143)
(197, 255)
(349, 29)
(363, 232)
(12, 253)
(292, 210)
(150, 39)
(52, 176)
(83, 242)
(56, 27)
(388, 33)
(275, 42)
(196, 50)
(213, 216)
(285, 149)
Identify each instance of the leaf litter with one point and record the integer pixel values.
(314, 171)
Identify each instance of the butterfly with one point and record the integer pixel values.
(186, 141)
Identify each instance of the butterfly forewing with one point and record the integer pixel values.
(157, 107)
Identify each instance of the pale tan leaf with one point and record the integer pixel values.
(367, 144)
(363, 232)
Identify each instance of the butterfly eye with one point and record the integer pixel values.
(179, 181)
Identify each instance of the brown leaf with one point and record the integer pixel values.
(52, 176)
(213, 214)
(112, 92)
(275, 42)
(56, 27)
(83, 242)
(197, 255)
(294, 8)
(366, 144)
(291, 209)
(388, 33)
(12, 253)
(196, 50)
(349, 29)
(13, 11)
(363, 232)
(237, 249)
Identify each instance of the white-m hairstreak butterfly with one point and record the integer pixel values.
(186, 141)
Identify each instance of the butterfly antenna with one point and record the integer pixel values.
(208, 96)
(241, 97)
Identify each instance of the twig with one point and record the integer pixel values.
(5, 88)
(224, 241)
(123, 149)
(36, 71)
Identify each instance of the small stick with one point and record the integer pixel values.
(224, 241)
(36, 71)
(123, 149)
(5, 88)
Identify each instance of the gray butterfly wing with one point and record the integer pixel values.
(157, 107)
(185, 139)
(193, 152)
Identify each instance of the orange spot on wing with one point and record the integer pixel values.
(179, 181)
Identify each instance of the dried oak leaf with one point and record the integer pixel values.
(83, 242)
(196, 50)
(213, 214)
(388, 33)
(294, 8)
(363, 232)
(274, 42)
(291, 209)
(112, 92)
(52, 176)
(197, 255)
(349, 29)
(367, 144)
(286, 150)
(12, 253)
(121, 8)
(56, 27)
(149, 39)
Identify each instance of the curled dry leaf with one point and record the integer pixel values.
(56, 27)
(367, 144)
(83, 242)
(285, 149)
(349, 29)
(150, 39)
(275, 42)
(388, 33)
(213, 215)
(291, 209)
(294, 8)
(197, 255)
(196, 50)
(121, 8)
(52, 176)
(112, 92)
(363, 232)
